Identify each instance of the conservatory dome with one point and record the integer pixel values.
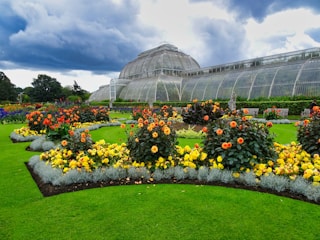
(165, 59)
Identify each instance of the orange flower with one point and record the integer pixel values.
(233, 124)
(167, 131)
(71, 133)
(132, 125)
(206, 118)
(244, 118)
(83, 135)
(162, 123)
(46, 122)
(123, 126)
(146, 122)
(224, 145)
(64, 143)
(196, 145)
(204, 129)
(83, 140)
(86, 130)
(240, 140)
(219, 131)
(140, 120)
(154, 134)
(140, 125)
(269, 124)
(154, 149)
(229, 144)
(245, 111)
(136, 140)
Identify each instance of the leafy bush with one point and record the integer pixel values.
(201, 112)
(168, 111)
(139, 112)
(77, 141)
(239, 144)
(153, 139)
(273, 114)
(35, 121)
(309, 133)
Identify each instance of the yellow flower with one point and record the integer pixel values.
(167, 131)
(154, 149)
(154, 134)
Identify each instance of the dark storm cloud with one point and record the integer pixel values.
(95, 35)
(259, 9)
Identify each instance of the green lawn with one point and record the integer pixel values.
(284, 133)
(168, 211)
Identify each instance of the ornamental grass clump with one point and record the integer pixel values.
(153, 139)
(201, 112)
(309, 133)
(238, 144)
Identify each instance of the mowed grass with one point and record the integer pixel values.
(284, 133)
(155, 211)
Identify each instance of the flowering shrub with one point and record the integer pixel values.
(35, 121)
(201, 112)
(273, 114)
(154, 138)
(309, 133)
(239, 144)
(168, 112)
(77, 141)
(138, 112)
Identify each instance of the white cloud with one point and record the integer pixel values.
(281, 32)
(175, 22)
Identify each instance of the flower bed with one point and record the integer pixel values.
(236, 149)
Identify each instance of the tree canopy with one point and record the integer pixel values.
(7, 89)
(45, 89)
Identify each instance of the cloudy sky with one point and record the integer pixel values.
(91, 41)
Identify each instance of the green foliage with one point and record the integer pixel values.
(154, 138)
(7, 89)
(238, 143)
(45, 89)
(168, 111)
(273, 114)
(309, 134)
(58, 131)
(201, 112)
(190, 133)
(140, 112)
(77, 141)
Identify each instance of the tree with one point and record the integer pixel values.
(45, 89)
(77, 90)
(7, 89)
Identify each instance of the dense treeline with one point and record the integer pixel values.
(44, 89)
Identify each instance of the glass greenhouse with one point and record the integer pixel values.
(167, 74)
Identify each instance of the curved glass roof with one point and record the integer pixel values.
(165, 59)
(166, 74)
